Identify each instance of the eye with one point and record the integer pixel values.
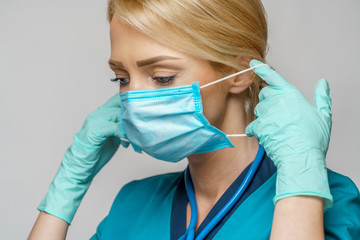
(166, 80)
(120, 81)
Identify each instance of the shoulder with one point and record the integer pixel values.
(341, 185)
(342, 221)
(139, 205)
(162, 184)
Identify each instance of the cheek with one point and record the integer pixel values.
(214, 96)
(214, 101)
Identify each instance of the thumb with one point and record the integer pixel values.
(322, 97)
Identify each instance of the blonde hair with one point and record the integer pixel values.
(221, 31)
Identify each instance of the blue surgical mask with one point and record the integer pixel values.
(169, 124)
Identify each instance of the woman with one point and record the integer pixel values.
(189, 84)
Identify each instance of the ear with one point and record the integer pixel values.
(241, 82)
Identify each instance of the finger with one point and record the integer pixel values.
(322, 97)
(250, 129)
(269, 75)
(125, 144)
(106, 114)
(112, 114)
(267, 92)
(261, 107)
(114, 101)
(113, 130)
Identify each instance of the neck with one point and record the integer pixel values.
(212, 173)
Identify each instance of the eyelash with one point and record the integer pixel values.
(169, 80)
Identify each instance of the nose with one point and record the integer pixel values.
(136, 84)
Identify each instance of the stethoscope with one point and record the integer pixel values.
(190, 231)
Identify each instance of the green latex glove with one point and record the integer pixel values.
(93, 146)
(294, 134)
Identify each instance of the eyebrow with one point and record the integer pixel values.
(142, 63)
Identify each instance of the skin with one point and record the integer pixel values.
(298, 217)
(213, 172)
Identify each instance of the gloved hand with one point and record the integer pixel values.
(294, 134)
(93, 146)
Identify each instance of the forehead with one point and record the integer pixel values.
(117, 26)
(126, 40)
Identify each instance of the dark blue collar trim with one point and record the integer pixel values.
(180, 200)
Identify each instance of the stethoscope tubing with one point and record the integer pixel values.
(190, 233)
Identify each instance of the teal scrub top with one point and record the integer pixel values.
(145, 209)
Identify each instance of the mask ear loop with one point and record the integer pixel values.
(236, 135)
(230, 76)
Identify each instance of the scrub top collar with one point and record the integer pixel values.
(180, 200)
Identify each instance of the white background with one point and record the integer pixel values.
(53, 72)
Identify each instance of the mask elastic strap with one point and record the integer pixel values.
(236, 135)
(232, 75)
